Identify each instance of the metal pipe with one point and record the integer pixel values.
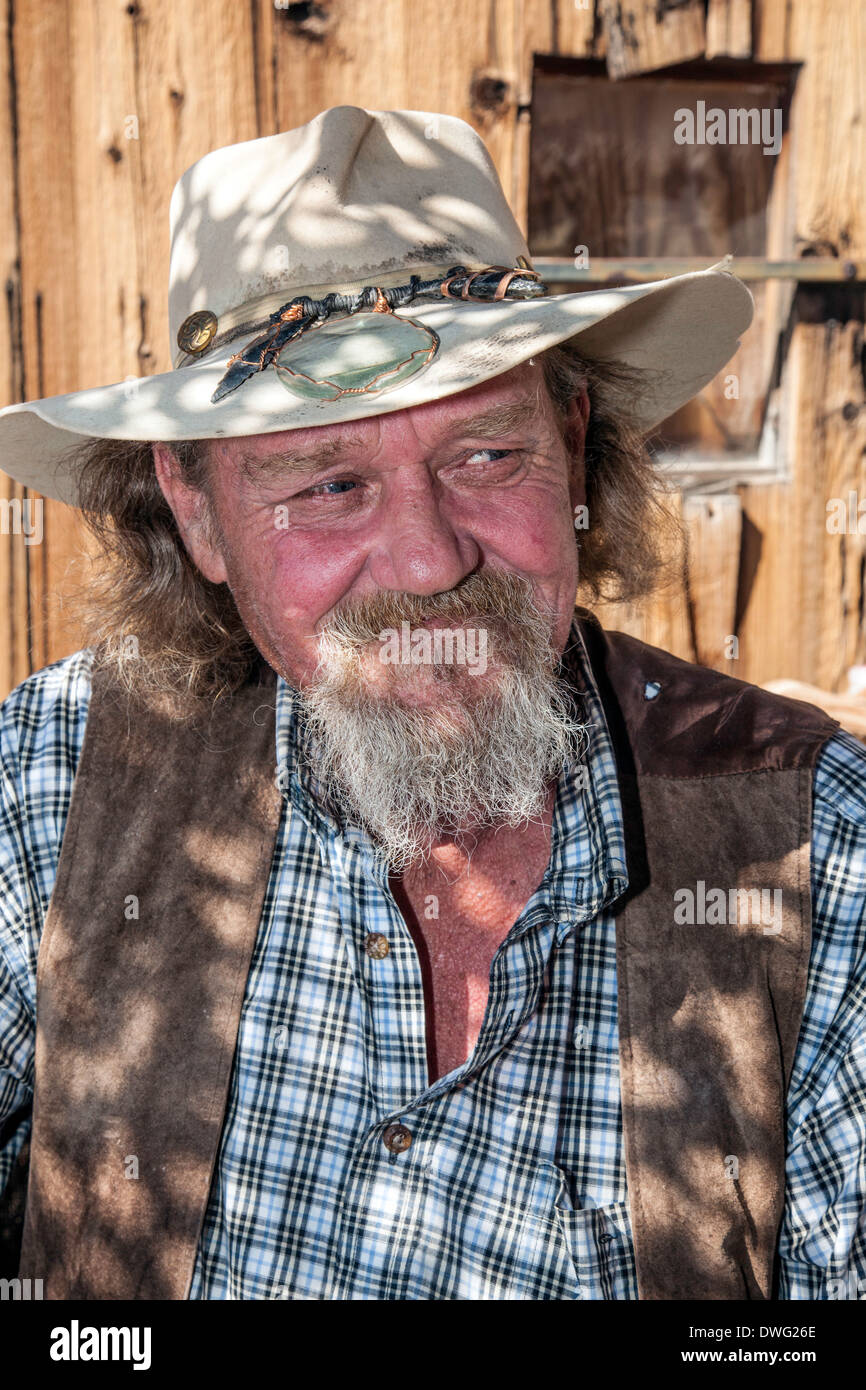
(635, 269)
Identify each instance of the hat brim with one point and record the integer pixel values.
(682, 330)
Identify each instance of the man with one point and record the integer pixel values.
(405, 935)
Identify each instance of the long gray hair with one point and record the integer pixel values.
(163, 627)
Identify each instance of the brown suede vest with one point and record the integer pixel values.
(137, 1017)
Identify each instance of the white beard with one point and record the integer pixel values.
(480, 754)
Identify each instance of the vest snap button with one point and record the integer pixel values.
(651, 690)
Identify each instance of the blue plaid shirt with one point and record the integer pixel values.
(514, 1185)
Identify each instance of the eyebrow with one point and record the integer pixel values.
(285, 462)
(500, 420)
(494, 423)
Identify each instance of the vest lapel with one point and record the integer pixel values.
(709, 1015)
(716, 783)
(141, 976)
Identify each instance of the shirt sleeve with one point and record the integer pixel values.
(822, 1245)
(17, 1020)
(42, 727)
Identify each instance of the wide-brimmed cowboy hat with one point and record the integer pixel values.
(400, 218)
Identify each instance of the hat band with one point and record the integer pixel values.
(303, 314)
(253, 314)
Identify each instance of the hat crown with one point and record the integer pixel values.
(349, 197)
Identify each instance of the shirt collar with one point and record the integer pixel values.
(587, 867)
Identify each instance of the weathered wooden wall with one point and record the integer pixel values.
(103, 104)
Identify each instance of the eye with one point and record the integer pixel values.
(489, 467)
(500, 454)
(334, 487)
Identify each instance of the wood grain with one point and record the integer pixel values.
(104, 103)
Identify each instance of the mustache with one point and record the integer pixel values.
(497, 595)
(469, 761)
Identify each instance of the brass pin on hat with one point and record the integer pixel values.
(197, 331)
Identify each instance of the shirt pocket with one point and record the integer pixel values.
(584, 1253)
(599, 1244)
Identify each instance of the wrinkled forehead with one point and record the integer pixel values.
(515, 402)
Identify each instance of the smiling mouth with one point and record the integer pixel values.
(471, 621)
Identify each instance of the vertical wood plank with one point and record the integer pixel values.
(805, 615)
(712, 570)
(651, 34)
(662, 619)
(14, 553)
(772, 30)
(729, 29)
(51, 331)
(574, 24)
(116, 103)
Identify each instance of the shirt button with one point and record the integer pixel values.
(397, 1138)
(377, 945)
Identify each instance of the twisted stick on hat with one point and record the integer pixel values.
(299, 315)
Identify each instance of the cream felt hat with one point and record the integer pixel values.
(365, 262)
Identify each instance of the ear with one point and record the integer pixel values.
(191, 510)
(576, 424)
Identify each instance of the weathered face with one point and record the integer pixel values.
(413, 502)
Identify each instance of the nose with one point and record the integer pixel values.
(419, 550)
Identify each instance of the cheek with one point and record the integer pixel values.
(290, 579)
(534, 536)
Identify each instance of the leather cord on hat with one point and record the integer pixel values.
(299, 315)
